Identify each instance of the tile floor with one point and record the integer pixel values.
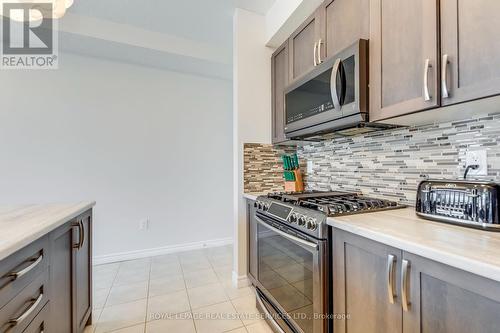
(189, 292)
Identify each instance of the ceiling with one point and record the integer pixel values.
(192, 36)
(208, 21)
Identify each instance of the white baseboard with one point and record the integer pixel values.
(131, 255)
(240, 281)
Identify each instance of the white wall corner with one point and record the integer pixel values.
(285, 16)
(251, 112)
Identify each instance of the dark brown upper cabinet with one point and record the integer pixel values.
(470, 51)
(306, 46)
(344, 22)
(404, 61)
(279, 78)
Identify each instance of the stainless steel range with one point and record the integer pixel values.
(293, 241)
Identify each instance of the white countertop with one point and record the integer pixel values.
(21, 225)
(253, 195)
(471, 250)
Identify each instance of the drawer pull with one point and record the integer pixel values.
(24, 271)
(28, 311)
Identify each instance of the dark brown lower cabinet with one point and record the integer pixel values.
(70, 268)
(61, 279)
(361, 286)
(443, 299)
(82, 274)
(384, 290)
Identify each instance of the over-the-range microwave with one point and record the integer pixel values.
(332, 98)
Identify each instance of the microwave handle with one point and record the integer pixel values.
(333, 84)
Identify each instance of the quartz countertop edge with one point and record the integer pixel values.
(474, 251)
(20, 225)
(253, 195)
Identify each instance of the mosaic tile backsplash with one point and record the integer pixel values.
(263, 168)
(391, 163)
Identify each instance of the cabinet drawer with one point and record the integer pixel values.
(20, 311)
(19, 269)
(40, 323)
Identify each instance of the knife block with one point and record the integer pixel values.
(297, 185)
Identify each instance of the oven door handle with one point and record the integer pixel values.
(268, 315)
(298, 240)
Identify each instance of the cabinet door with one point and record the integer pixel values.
(252, 242)
(403, 57)
(303, 55)
(443, 299)
(279, 70)
(346, 21)
(61, 278)
(83, 274)
(469, 41)
(362, 281)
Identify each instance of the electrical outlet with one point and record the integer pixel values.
(144, 224)
(310, 166)
(478, 157)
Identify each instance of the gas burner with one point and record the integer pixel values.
(335, 203)
(307, 211)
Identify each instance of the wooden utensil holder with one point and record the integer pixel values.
(297, 185)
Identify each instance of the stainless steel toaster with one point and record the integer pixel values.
(468, 203)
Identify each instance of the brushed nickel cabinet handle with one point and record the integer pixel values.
(80, 234)
(444, 76)
(405, 284)
(427, 67)
(28, 312)
(391, 272)
(83, 234)
(320, 42)
(314, 54)
(24, 271)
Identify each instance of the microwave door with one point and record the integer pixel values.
(310, 101)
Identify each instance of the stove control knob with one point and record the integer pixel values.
(265, 206)
(259, 205)
(311, 224)
(302, 221)
(255, 204)
(293, 218)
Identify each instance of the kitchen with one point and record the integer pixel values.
(304, 167)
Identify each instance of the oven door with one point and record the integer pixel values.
(292, 275)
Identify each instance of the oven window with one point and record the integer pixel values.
(286, 271)
(311, 98)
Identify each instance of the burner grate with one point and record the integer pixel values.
(335, 203)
